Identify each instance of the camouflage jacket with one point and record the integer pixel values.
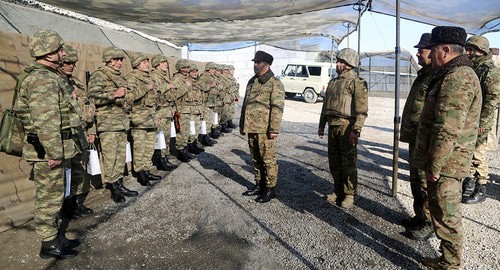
(187, 100)
(346, 101)
(45, 110)
(489, 77)
(263, 105)
(231, 90)
(112, 114)
(144, 100)
(87, 108)
(447, 131)
(414, 104)
(212, 93)
(166, 101)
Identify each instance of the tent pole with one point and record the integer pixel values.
(360, 4)
(397, 118)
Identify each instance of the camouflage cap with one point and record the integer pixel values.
(219, 67)
(71, 54)
(193, 67)
(112, 53)
(181, 63)
(210, 65)
(137, 58)
(157, 59)
(349, 56)
(44, 42)
(479, 42)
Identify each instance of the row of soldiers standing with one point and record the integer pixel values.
(63, 117)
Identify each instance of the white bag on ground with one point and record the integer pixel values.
(160, 141)
(173, 134)
(215, 118)
(192, 128)
(93, 166)
(203, 127)
(128, 153)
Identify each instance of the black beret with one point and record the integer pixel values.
(448, 35)
(424, 41)
(261, 56)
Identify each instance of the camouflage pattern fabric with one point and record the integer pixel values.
(166, 104)
(143, 148)
(229, 97)
(113, 145)
(446, 139)
(80, 184)
(418, 186)
(261, 113)
(212, 99)
(145, 100)
(489, 77)
(348, 89)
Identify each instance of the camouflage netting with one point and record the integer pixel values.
(288, 24)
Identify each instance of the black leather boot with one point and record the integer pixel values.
(68, 208)
(69, 243)
(116, 194)
(196, 148)
(54, 249)
(468, 186)
(125, 191)
(255, 190)
(182, 155)
(479, 195)
(230, 124)
(225, 128)
(266, 195)
(188, 154)
(215, 133)
(167, 165)
(156, 159)
(143, 179)
(153, 177)
(80, 208)
(207, 141)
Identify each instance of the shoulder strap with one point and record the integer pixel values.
(20, 80)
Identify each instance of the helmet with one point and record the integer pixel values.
(71, 54)
(349, 56)
(44, 42)
(193, 67)
(157, 59)
(137, 58)
(112, 53)
(181, 63)
(210, 65)
(480, 43)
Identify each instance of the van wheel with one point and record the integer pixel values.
(310, 96)
(290, 95)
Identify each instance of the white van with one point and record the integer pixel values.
(307, 79)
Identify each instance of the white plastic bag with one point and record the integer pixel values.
(215, 118)
(67, 178)
(173, 134)
(93, 166)
(128, 153)
(203, 127)
(192, 128)
(160, 141)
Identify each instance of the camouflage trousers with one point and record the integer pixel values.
(227, 113)
(80, 184)
(445, 208)
(479, 167)
(418, 185)
(263, 152)
(49, 196)
(342, 157)
(207, 116)
(184, 137)
(165, 126)
(113, 145)
(143, 147)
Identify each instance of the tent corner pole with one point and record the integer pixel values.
(397, 118)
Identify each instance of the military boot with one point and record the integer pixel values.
(116, 194)
(182, 155)
(215, 133)
(153, 177)
(479, 195)
(196, 147)
(125, 191)
(166, 165)
(142, 178)
(225, 129)
(434, 263)
(80, 208)
(156, 159)
(268, 193)
(207, 141)
(188, 154)
(423, 233)
(348, 202)
(413, 223)
(69, 243)
(255, 190)
(68, 208)
(54, 249)
(230, 124)
(468, 186)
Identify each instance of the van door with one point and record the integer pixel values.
(295, 78)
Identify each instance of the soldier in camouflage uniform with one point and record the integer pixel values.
(47, 116)
(80, 184)
(143, 118)
(420, 226)
(345, 109)
(107, 90)
(166, 108)
(220, 97)
(236, 89)
(229, 99)
(186, 104)
(446, 138)
(261, 116)
(208, 82)
(478, 50)
(196, 105)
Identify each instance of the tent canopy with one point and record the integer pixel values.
(288, 24)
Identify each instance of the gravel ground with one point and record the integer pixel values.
(196, 217)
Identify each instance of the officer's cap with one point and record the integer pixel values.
(261, 56)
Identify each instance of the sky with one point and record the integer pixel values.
(378, 33)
